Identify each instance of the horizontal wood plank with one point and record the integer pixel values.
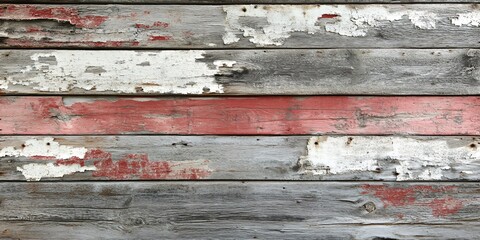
(242, 115)
(391, 158)
(134, 229)
(239, 26)
(253, 72)
(241, 210)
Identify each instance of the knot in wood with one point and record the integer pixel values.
(369, 207)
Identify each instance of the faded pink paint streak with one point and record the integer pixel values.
(45, 43)
(134, 166)
(445, 206)
(414, 195)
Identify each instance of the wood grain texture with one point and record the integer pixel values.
(234, 26)
(246, 115)
(130, 229)
(257, 72)
(389, 158)
(240, 210)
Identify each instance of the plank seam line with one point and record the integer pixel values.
(232, 49)
(236, 3)
(204, 181)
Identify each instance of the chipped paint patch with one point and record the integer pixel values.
(416, 159)
(326, 157)
(60, 14)
(105, 166)
(133, 166)
(37, 171)
(419, 195)
(273, 24)
(222, 63)
(445, 206)
(46, 147)
(467, 19)
(176, 72)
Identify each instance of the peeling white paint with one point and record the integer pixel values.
(327, 156)
(422, 19)
(416, 159)
(467, 19)
(36, 171)
(222, 63)
(177, 72)
(271, 25)
(46, 147)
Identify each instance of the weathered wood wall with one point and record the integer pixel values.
(278, 119)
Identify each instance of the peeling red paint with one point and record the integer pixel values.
(157, 24)
(139, 25)
(414, 195)
(33, 29)
(73, 160)
(131, 165)
(42, 157)
(401, 196)
(159, 38)
(445, 206)
(134, 166)
(391, 196)
(329, 15)
(114, 44)
(160, 24)
(40, 43)
(61, 14)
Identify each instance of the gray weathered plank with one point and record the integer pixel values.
(246, 26)
(268, 72)
(240, 210)
(242, 229)
(242, 158)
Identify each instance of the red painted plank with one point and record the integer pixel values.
(252, 115)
